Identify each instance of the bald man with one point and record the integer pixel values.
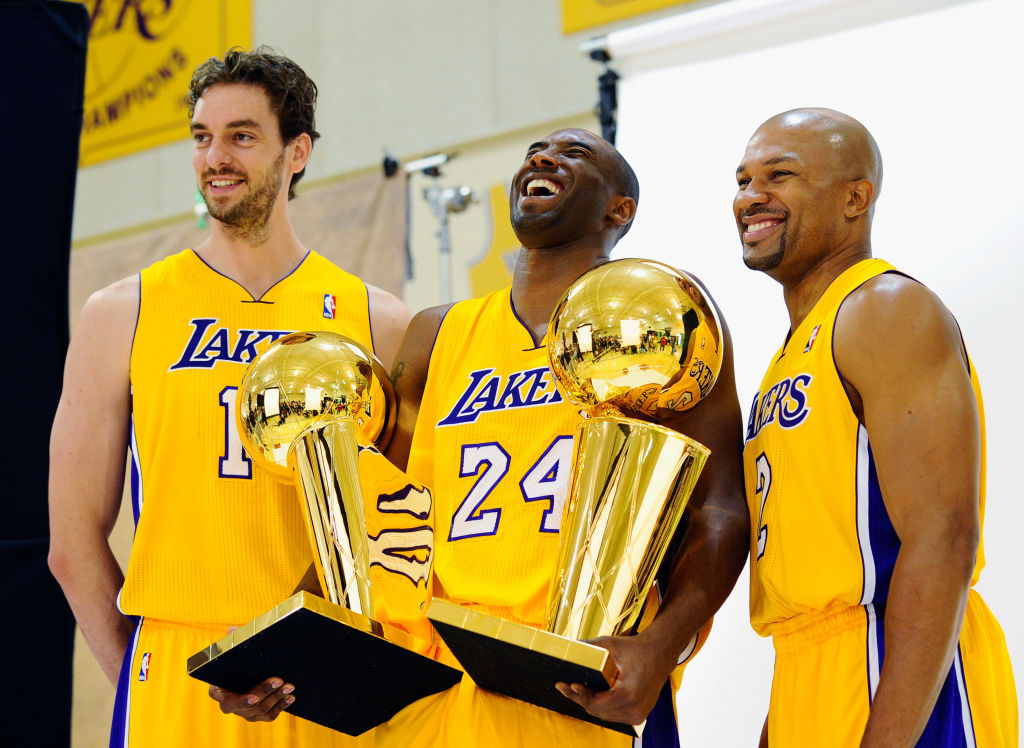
(864, 469)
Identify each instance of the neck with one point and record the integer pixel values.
(254, 260)
(541, 276)
(803, 291)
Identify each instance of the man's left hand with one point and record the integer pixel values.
(635, 691)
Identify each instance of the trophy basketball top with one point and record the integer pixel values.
(634, 335)
(306, 379)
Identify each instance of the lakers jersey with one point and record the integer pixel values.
(821, 538)
(216, 540)
(494, 439)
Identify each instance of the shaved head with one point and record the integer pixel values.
(853, 150)
(807, 186)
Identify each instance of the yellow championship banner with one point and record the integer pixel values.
(140, 60)
(578, 15)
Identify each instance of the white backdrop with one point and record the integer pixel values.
(941, 91)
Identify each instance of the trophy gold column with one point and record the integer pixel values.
(301, 407)
(630, 336)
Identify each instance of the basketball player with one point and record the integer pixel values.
(153, 366)
(864, 469)
(499, 474)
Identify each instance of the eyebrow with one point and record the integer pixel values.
(770, 162)
(541, 145)
(250, 124)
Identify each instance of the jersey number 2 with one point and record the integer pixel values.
(764, 484)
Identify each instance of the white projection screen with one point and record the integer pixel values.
(939, 84)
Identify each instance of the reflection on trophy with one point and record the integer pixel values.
(630, 336)
(301, 407)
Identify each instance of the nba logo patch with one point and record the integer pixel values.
(330, 303)
(144, 670)
(810, 340)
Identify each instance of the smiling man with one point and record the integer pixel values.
(497, 472)
(571, 200)
(153, 367)
(864, 469)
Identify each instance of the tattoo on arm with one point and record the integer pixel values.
(397, 373)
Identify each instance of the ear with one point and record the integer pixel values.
(301, 147)
(621, 210)
(860, 198)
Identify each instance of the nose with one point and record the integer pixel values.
(216, 154)
(748, 196)
(542, 159)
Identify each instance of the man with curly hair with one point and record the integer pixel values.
(153, 369)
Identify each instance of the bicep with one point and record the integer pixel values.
(409, 377)
(905, 362)
(89, 438)
(389, 319)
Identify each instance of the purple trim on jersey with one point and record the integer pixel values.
(885, 544)
(260, 299)
(875, 647)
(661, 730)
(135, 330)
(122, 700)
(369, 318)
(437, 333)
(950, 724)
(136, 471)
(946, 726)
(526, 327)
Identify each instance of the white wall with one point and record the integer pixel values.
(940, 90)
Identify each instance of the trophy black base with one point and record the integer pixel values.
(523, 662)
(347, 675)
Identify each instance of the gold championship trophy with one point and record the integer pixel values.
(629, 335)
(300, 406)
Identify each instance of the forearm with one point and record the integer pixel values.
(712, 554)
(923, 618)
(91, 582)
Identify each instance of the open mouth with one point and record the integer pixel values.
(761, 227)
(540, 187)
(224, 182)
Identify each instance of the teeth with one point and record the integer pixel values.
(762, 225)
(223, 182)
(535, 185)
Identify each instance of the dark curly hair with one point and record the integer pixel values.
(292, 93)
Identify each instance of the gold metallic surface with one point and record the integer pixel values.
(634, 335)
(631, 336)
(324, 459)
(631, 482)
(525, 637)
(300, 406)
(298, 601)
(639, 337)
(306, 378)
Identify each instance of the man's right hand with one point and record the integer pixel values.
(262, 703)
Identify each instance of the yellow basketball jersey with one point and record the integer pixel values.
(821, 539)
(494, 439)
(216, 540)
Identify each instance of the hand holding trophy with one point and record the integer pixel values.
(301, 406)
(629, 336)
